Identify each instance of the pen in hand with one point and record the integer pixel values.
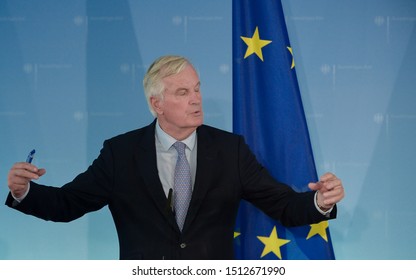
(14, 181)
(34, 170)
(30, 156)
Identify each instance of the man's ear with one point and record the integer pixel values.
(156, 104)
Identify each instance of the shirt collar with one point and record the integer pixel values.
(167, 141)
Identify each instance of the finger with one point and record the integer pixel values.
(24, 165)
(41, 172)
(333, 191)
(27, 174)
(315, 186)
(332, 200)
(333, 196)
(18, 174)
(28, 167)
(331, 184)
(327, 177)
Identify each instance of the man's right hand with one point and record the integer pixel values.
(20, 175)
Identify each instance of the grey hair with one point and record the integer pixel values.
(162, 67)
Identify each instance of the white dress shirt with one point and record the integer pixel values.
(166, 156)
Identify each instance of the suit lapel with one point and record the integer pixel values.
(147, 167)
(206, 162)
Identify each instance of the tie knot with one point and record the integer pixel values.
(180, 147)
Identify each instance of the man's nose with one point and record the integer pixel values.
(196, 97)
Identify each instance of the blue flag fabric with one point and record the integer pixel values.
(268, 111)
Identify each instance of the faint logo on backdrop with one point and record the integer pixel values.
(186, 21)
(334, 69)
(224, 68)
(38, 71)
(326, 69)
(388, 21)
(84, 20)
(388, 120)
(133, 69)
(79, 116)
(177, 20)
(79, 20)
(28, 68)
(378, 118)
(379, 20)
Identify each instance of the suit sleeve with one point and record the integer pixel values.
(276, 199)
(89, 191)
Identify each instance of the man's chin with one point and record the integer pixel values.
(197, 119)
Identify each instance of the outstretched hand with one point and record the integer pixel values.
(20, 175)
(330, 190)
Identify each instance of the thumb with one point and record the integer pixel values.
(315, 186)
(41, 172)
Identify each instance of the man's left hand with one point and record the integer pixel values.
(330, 190)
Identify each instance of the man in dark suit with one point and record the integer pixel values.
(135, 175)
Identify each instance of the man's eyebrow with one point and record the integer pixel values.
(185, 88)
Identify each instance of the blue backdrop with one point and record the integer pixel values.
(70, 77)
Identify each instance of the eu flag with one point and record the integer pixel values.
(268, 111)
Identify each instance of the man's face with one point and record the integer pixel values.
(180, 111)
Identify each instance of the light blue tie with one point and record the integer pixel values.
(182, 190)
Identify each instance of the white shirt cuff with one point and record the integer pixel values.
(325, 213)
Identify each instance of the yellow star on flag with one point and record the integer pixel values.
(320, 229)
(272, 243)
(293, 59)
(236, 234)
(255, 44)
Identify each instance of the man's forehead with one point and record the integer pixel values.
(186, 78)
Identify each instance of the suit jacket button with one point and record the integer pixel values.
(183, 245)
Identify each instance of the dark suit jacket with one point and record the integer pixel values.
(125, 177)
